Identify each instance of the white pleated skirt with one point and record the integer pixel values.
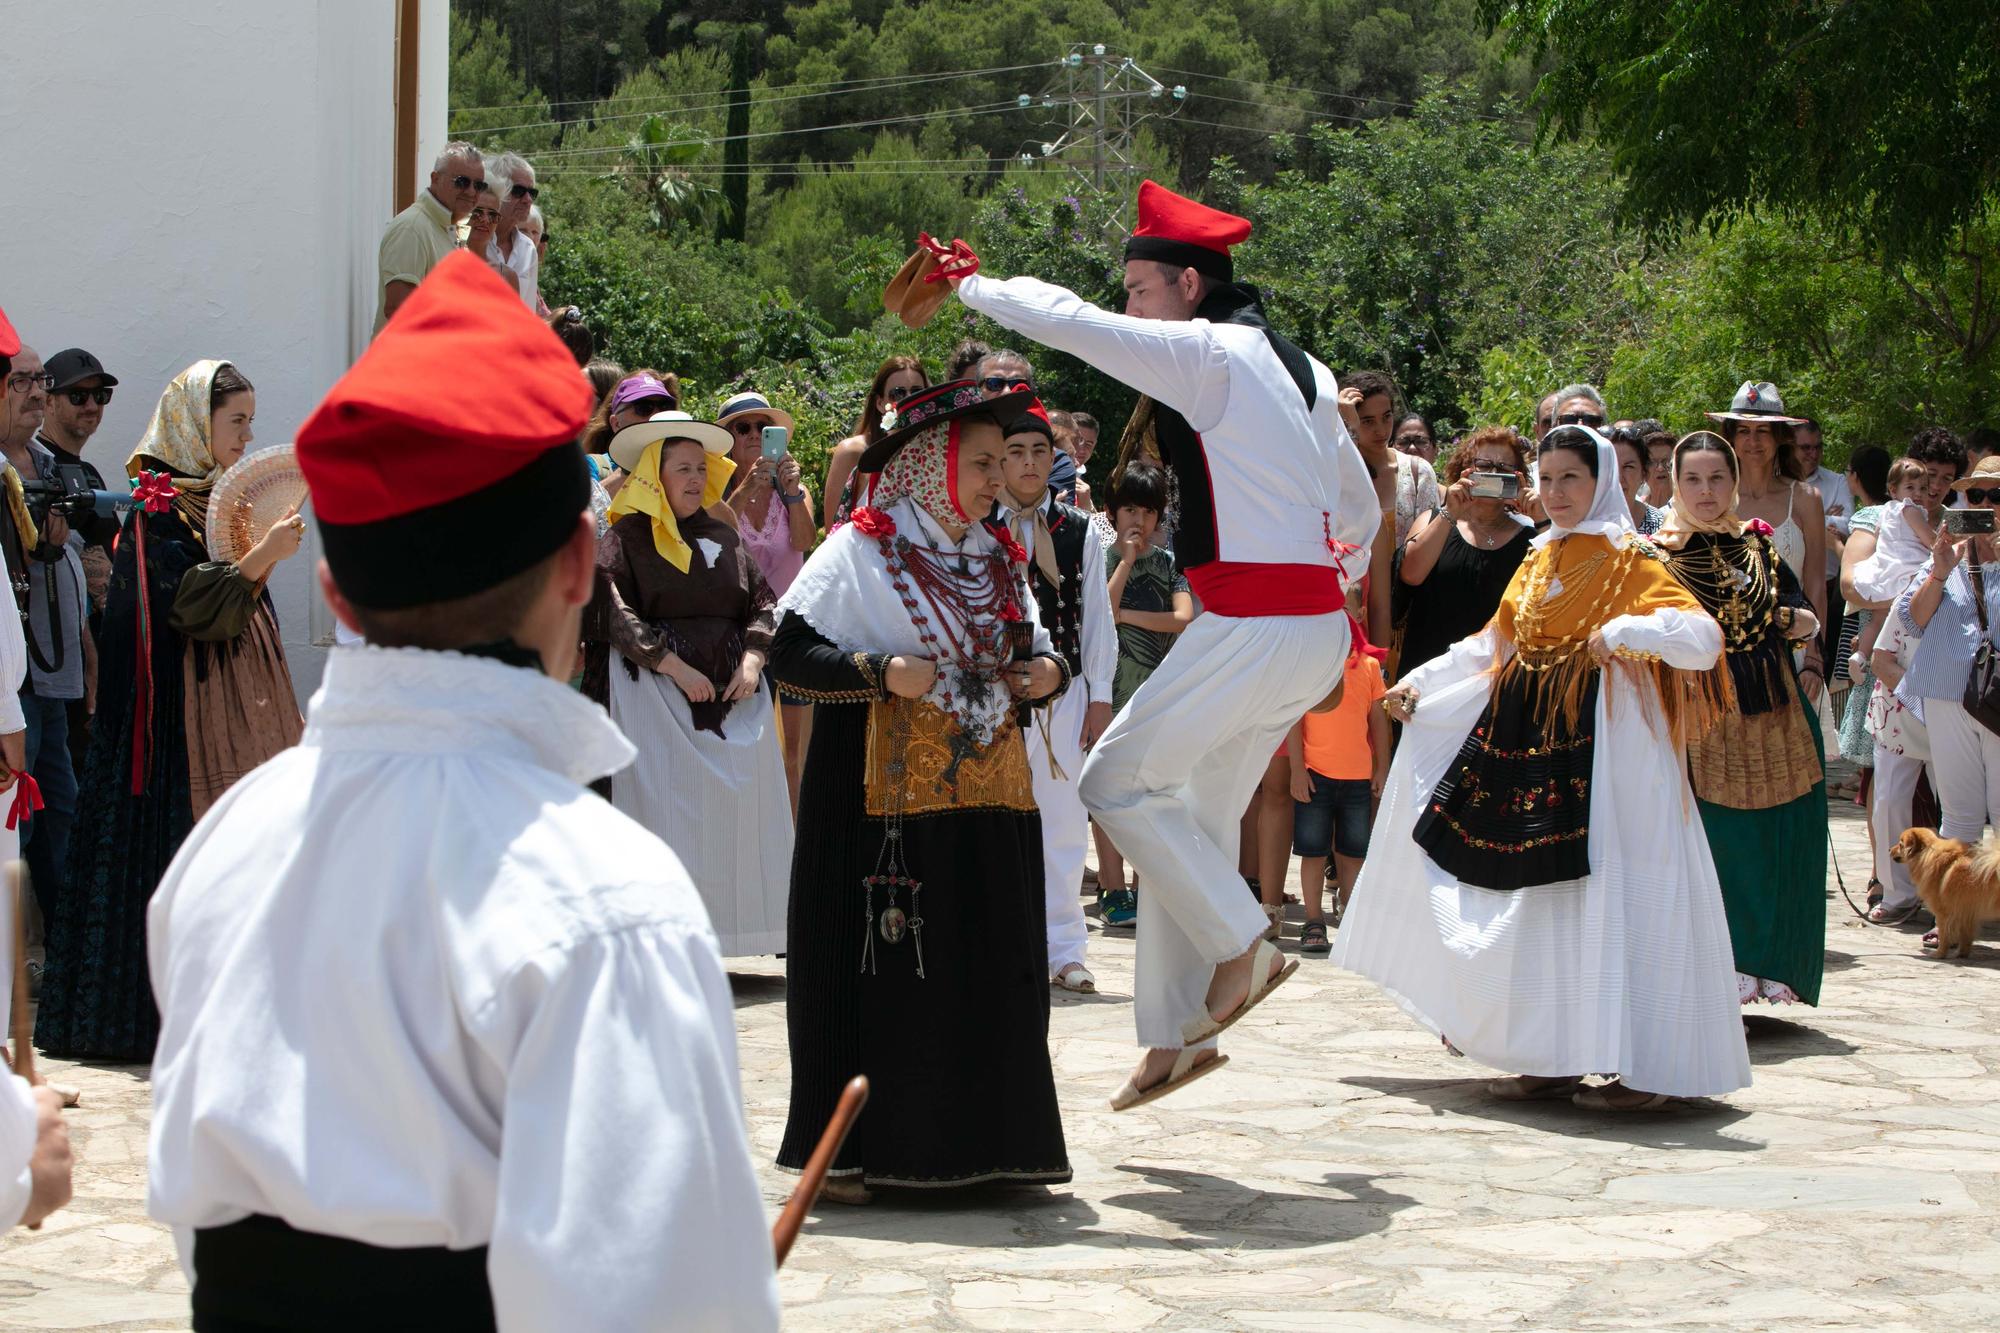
(1626, 972)
(719, 801)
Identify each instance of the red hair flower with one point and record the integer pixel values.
(872, 522)
(1011, 613)
(1761, 528)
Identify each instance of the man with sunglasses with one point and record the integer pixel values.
(418, 238)
(514, 181)
(81, 392)
(56, 610)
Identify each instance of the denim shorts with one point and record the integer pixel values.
(1335, 820)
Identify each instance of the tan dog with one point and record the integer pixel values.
(1960, 884)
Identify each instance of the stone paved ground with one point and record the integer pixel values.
(1346, 1173)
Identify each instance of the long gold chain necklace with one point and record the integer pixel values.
(1741, 597)
(1604, 573)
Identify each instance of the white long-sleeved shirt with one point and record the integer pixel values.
(17, 1107)
(419, 987)
(1285, 479)
(1096, 634)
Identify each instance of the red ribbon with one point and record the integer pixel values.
(954, 261)
(1016, 552)
(155, 493)
(27, 799)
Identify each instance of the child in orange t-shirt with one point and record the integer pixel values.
(1340, 760)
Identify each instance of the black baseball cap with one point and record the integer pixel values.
(72, 364)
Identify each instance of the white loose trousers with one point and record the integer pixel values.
(1169, 782)
(1965, 769)
(1065, 824)
(1894, 793)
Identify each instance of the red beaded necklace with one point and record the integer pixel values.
(974, 598)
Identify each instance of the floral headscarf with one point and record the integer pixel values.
(926, 470)
(178, 433)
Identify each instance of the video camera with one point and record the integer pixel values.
(69, 494)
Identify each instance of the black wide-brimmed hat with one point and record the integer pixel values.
(934, 406)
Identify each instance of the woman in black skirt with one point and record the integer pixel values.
(918, 954)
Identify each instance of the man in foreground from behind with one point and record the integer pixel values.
(446, 1042)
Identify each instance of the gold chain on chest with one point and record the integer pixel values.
(1602, 577)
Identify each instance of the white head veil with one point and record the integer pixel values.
(1609, 517)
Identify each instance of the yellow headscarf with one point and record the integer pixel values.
(643, 494)
(178, 437)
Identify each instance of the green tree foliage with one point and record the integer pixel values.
(1417, 245)
(1768, 302)
(1874, 118)
(1406, 218)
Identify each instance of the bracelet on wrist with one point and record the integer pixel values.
(798, 499)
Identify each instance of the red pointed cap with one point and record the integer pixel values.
(445, 460)
(1032, 417)
(10, 341)
(1174, 229)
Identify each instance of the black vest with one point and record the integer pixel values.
(1061, 605)
(1196, 542)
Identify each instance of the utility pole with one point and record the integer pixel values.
(1098, 100)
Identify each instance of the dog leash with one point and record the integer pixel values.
(1833, 858)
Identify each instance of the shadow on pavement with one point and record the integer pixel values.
(755, 988)
(1696, 1124)
(1774, 1040)
(1207, 1212)
(1216, 1212)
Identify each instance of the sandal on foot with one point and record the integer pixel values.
(1312, 938)
(1874, 893)
(1599, 1099)
(1187, 1068)
(1262, 982)
(1075, 977)
(1274, 921)
(1531, 1088)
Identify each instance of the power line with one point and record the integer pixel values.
(1356, 98)
(723, 99)
(558, 155)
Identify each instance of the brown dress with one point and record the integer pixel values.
(709, 616)
(236, 690)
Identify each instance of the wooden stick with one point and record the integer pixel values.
(24, 1029)
(813, 1179)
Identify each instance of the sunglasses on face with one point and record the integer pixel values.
(1001, 384)
(1580, 419)
(750, 427)
(898, 393)
(78, 397)
(1979, 495)
(23, 380)
(485, 215)
(524, 192)
(467, 183)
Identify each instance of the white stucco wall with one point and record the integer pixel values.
(196, 178)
